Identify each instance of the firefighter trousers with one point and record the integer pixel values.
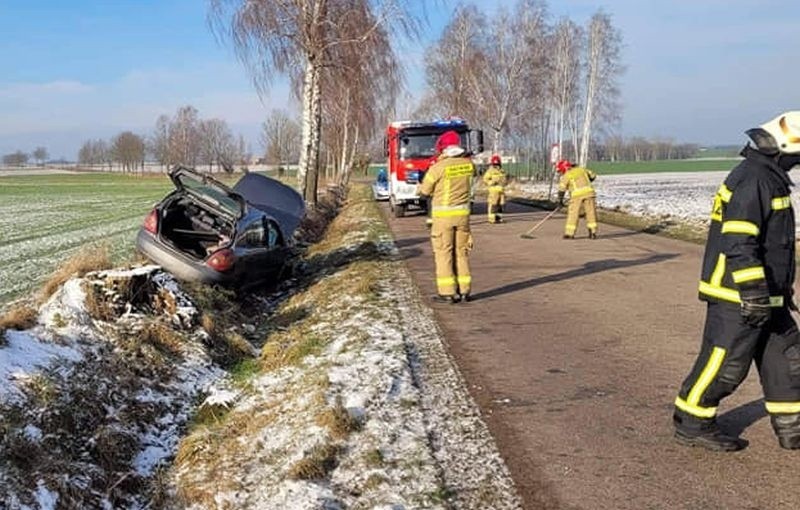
(495, 203)
(728, 349)
(588, 204)
(452, 241)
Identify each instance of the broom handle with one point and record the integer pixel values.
(549, 215)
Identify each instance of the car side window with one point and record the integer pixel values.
(253, 236)
(273, 234)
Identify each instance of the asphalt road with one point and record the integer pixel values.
(574, 351)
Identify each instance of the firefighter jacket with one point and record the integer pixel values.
(449, 184)
(495, 179)
(578, 181)
(751, 237)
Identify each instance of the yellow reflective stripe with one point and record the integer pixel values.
(749, 274)
(700, 412)
(446, 280)
(740, 227)
(719, 271)
(591, 225)
(780, 203)
(732, 295)
(452, 213)
(586, 190)
(706, 376)
(724, 193)
(453, 171)
(782, 407)
(720, 292)
(466, 280)
(495, 188)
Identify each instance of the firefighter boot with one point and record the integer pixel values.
(592, 234)
(705, 433)
(438, 298)
(787, 428)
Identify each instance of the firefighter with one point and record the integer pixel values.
(495, 180)
(747, 277)
(448, 184)
(578, 181)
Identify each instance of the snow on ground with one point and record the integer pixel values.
(686, 196)
(88, 406)
(418, 439)
(353, 403)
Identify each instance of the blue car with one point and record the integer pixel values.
(380, 187)
(205, 231)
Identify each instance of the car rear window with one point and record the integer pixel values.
(213, 194)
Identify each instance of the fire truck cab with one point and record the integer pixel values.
(411, 149)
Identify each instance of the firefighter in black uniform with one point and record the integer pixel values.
(747, 278)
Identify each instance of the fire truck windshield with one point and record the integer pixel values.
(422, 145)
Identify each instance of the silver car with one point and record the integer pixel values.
(205, 231)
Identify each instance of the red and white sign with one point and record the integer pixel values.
(555, 154)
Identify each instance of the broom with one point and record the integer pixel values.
(527, 235)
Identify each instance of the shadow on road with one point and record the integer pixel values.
(411, 241)
(739, 419)
(595, 266)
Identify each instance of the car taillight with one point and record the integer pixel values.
(221, 260)
(151, 222)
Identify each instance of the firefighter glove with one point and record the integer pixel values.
(755, 307)
(561, 198)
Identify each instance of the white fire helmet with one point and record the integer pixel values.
(780, 135)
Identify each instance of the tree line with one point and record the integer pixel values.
(183, 139)
(529, 80)
(18, 158)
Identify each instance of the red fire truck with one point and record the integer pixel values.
(411, 150)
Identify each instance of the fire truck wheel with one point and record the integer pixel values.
(399, 210)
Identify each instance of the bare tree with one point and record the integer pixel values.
(216, 143)
(450, 61)
(296, 37)
(17, 158)
(159, 141)
(280, 137)
(603, 67)
(128, 149)
(184, 137)
(566, 65)
(40, 155)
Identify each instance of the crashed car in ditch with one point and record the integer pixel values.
(208, 232)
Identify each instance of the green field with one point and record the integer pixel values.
(637, 167)
(45, 218)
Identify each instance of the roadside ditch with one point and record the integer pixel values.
(127, 389)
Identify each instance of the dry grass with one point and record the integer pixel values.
(88, 259)
(290, 348)
(316, 464)
(20, 316)
(97, 302)
(164, 338)
(338, 420)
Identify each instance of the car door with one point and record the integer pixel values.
(253, 253)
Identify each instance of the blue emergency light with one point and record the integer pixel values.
(454, 121)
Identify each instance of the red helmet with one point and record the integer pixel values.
(564, 165)
(447, 139)
(495, 161)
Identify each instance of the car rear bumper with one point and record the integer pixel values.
(182, 266)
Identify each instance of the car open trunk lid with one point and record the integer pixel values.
(210, 191)
(275, 198)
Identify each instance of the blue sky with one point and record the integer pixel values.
(700, 71)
